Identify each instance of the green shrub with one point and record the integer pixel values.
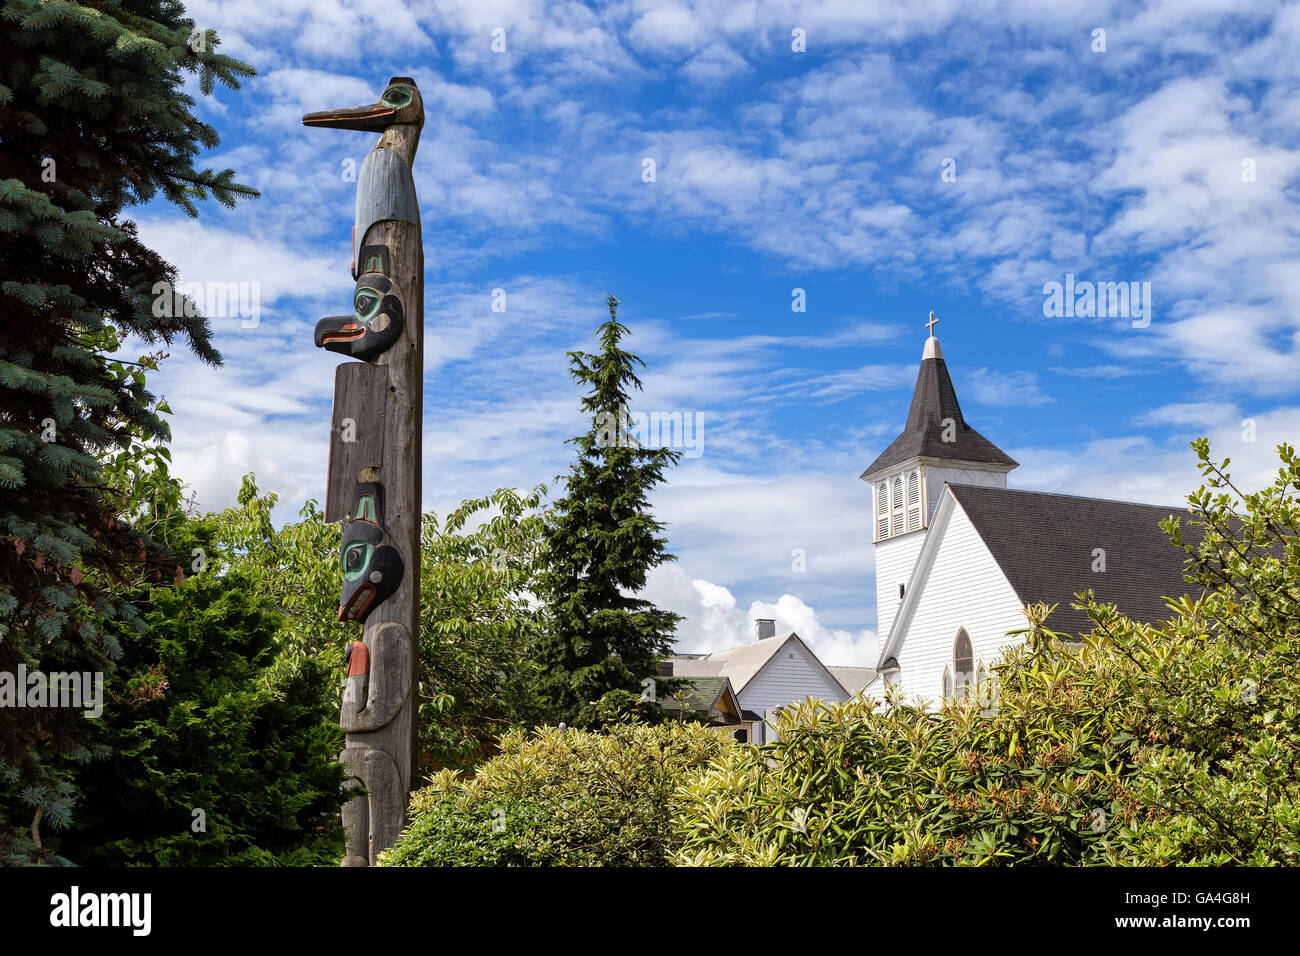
(561, 798)
(855, 784)
(1220, 682)
(193, 722)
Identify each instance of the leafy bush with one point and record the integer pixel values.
(850, 784)
(561, 798)
(479, 623)
(1220, 682)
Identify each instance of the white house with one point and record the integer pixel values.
(958, 553)
(769, 674)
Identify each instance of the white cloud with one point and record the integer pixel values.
(1190, 413)
(211, 254)
(1119, 168)
(714, 622)
(1138, 468)
(990, 387)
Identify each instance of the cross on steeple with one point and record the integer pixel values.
(931, 324)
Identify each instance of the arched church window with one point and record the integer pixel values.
(947, 682)
(963, 660)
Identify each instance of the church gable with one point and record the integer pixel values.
(959, 554)
(957, 587)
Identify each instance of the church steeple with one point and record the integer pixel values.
(935, 426)
(907, 480)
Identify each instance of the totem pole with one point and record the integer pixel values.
(374, 467)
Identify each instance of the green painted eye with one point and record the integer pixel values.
(396, 97)
(366, 302)
(356, 557)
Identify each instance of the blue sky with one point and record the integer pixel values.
(775, 170)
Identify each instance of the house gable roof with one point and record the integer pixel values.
(853, 679)
(742, 664)
(701, 693)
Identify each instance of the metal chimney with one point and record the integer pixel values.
(764, 627)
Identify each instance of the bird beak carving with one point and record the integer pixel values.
(373, 118)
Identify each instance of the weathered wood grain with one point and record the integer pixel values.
(385, 191)
(361, 414)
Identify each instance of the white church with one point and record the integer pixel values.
(959, 554)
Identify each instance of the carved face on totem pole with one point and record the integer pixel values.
(377, 318)
(372, 566)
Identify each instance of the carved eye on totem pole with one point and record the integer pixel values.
(372, 566)
(377, 318)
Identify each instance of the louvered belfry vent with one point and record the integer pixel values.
(913, 501)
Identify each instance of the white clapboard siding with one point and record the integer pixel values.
(963, 588)
(895, 558)
(791, 675)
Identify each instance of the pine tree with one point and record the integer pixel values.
(600, 543)
(94, 119)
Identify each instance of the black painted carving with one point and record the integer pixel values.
(372, 566)
(375, 324)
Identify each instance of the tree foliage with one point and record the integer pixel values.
(561, 798)
(601, 543)
(192, 725)
(95, 120)
(481, 622)
(1219, 681)
(479, 619)
(858, 784)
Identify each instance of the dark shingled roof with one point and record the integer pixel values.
(700, 693)
(1044, 544)
(934, 400)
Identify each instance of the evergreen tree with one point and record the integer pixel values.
(601, 543)
(196, 722)
(94, 119)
